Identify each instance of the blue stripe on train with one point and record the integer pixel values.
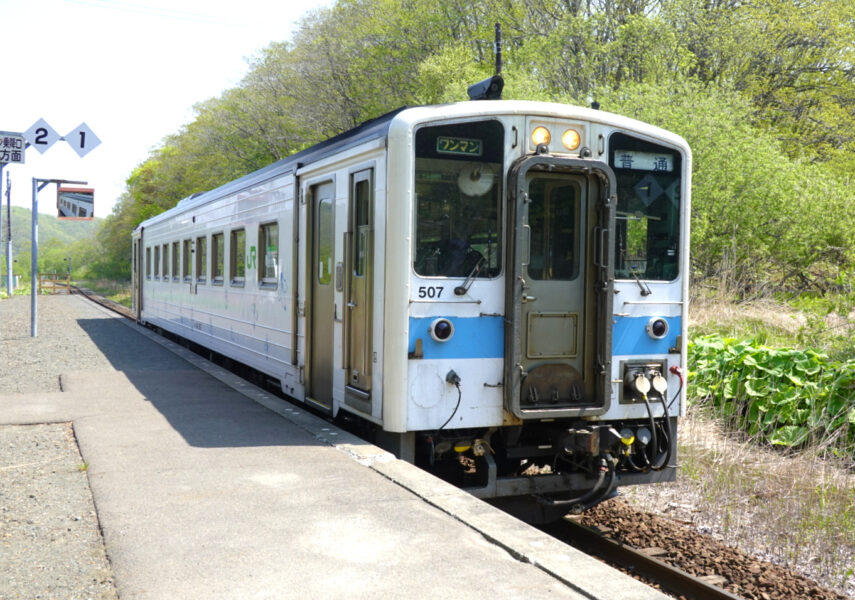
(629, 336)
(476, 337)
(483, 337)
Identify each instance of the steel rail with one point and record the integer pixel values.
(106, 303)
(670, 578)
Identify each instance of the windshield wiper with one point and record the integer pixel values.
(462, 289)
(645, 289)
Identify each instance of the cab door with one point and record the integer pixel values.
(558, 344)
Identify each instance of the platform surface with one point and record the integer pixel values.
(207, 487)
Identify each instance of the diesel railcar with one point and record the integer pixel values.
(497, 289)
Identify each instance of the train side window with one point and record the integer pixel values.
(360, 244)
(237, 257)
(268, 259)
(185, 261)
(325, 242)
(148, 263)
(165, 265)
(157, 262)
(201, 259)
(175, 264)
(217, 258)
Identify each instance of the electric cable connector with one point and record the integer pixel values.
(676, 370)
(454, 379)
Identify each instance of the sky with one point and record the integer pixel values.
(131, 70)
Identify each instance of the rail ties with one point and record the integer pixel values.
(640, 562)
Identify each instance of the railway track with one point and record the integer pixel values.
(679, 559)
(640, 562)
(98, 299)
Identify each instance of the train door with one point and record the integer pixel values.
(359, 268)
(137, 276)
(560, 341)
(322, 276)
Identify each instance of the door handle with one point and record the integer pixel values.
(526, 298)
(351, 304)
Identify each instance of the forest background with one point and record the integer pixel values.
(763, 91)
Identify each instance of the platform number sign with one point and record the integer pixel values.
(42, 136)
(82, 140)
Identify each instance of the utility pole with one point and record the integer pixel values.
(9, 280)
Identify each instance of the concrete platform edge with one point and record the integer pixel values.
(522, 541)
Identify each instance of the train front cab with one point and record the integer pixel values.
(571, 424)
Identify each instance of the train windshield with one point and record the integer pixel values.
(648, 209)
(458, 184)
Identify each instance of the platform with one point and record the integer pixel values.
(208, 487)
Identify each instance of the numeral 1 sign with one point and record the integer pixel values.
(82, 140)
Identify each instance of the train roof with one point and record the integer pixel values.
(379, 128)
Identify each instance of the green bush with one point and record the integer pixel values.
(785, 397)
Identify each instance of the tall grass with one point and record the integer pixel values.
(768, 451)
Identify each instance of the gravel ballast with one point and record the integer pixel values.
(50, 541)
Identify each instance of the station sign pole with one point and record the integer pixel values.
(39, 185)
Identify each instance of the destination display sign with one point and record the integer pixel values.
(644, 161)
(451, 145)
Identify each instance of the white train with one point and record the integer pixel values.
(498, 288)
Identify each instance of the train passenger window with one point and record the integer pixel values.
(361, 224)
(268, 259)
(201, 259)
(647, 244)
(217, 258)
(175, 258)
(157, 262)
(185, 261)
(165, 265)
(325, 242)
(237, 257)
(458, 184)
(148, 263)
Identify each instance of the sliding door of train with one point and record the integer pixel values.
(359, 268)
(559, 345)
(323, 309)
(137, 275)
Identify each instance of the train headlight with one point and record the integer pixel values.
(657, 328)
(441, 330)
(540, 135)
(571, 139)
